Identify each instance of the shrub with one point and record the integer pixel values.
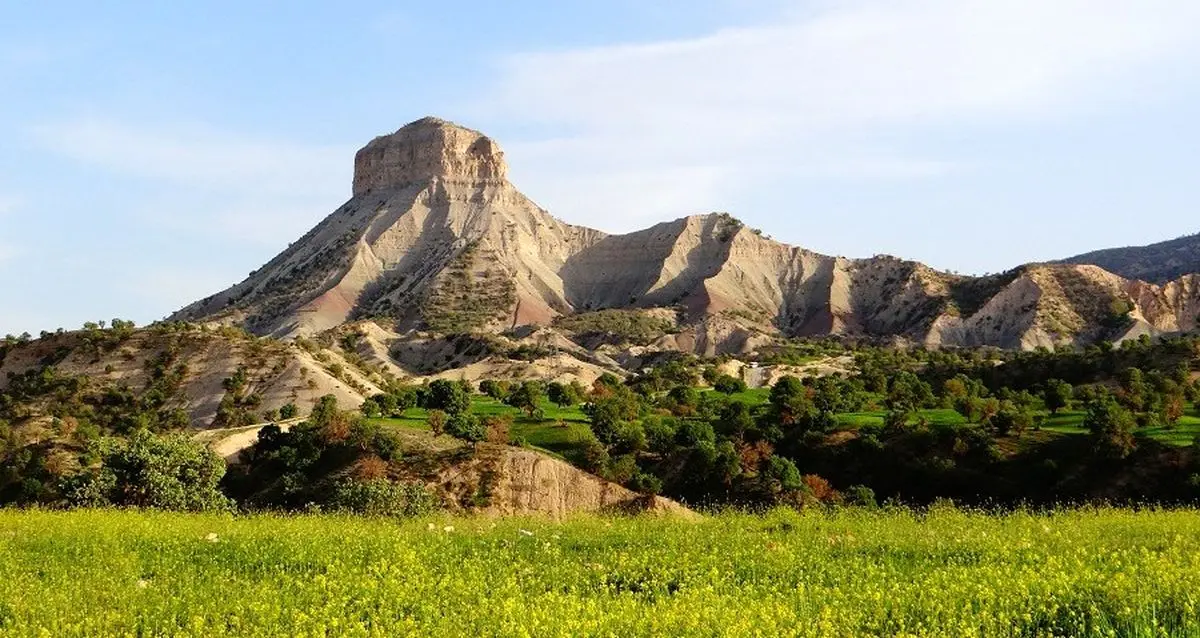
(726, 384)
(861, 496)
(381, 497)
(161, 472)
(466, 426)
(498, 429)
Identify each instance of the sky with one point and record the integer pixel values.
(153, 153)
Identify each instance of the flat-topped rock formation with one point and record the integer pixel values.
(436, 239)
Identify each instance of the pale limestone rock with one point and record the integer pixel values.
(432, 208)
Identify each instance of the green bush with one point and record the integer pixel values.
(381, 497)
(161, 472)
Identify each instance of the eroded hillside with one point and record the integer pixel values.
(436, 241)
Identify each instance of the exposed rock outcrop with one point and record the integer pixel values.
(436, 239)
(426, 149)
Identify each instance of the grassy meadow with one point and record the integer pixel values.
(841, 573)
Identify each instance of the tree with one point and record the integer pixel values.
(906, 393)
(792, 407)
(1172, 408)
(436, 422)
(288, 411)
(161, 472)
(1134, 389)
(466, 426)
(683, 399)
(497, 390)
(1057, 395)
(564, 394)
(607, 412)
(526, 397)
(1112, 428)
(371, 408)
(727, 384)
(736, 420)
(779, 475)
(448, 396)
(1011, 418)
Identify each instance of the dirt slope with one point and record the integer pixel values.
(277, 373)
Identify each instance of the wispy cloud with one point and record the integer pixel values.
(211, 181)
(820, 90)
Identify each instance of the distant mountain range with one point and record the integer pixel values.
(1156, 263)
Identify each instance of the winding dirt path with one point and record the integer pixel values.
(229, 442)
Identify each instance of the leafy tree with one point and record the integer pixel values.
(607, 412)
(1057, 395)
(161, 472)
(497, 390)
(1111, 426)
(1172, 408)
(861, 496)
(779, 475)
(288, 411)
(370, 407)
(727, 384)
(564, 394)
(736, 420)
(684, 399)
(466, 426)
(526, 397)
(448, 396)
(693, 433)
(906, 393)
(660, 433)
(1134, 390)
(1011, 418)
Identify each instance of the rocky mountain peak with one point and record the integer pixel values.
(425, 149)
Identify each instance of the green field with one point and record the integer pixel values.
(563, 429)
(559, 433)
(845, 573)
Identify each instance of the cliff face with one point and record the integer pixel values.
(436, 238)
(426, 149)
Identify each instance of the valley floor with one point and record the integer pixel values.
(1102, 572)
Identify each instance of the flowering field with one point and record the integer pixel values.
(850, 573)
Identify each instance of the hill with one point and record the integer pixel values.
(436, 241)
(1158, 263)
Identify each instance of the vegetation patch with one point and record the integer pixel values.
(467, 298)
(852, 572)
(617, 326)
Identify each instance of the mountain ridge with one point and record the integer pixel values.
(1159, 263)
(436, 239)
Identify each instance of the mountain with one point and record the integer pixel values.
(436, 241)
(1158, 263)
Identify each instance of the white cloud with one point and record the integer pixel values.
(210, 181)
(819, 91)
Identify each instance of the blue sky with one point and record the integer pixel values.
(157, 152)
